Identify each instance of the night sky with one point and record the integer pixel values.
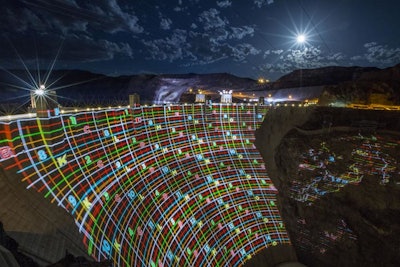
(247, 38)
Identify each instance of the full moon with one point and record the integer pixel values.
(300, 38)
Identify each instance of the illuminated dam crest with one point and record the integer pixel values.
(177, 185)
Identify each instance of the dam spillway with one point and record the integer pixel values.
(170, 185)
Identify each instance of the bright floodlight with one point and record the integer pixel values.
(301, 38)
(39, 92)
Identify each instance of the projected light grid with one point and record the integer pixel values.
(178, 185)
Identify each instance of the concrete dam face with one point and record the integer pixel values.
(173, 185)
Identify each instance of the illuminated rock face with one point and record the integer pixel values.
(338, 176)
(345, 190)
(153, 186)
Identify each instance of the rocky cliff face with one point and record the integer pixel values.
(44, 231)
(337, 172)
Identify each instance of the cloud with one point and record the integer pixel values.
(86, 49)
(241, 32)
(378, 55)
(211, 50)
(336, 56)
(20, 20)
(240, 52)
(275, 52)
(68, 16)
(356, 58)
(308, 57)
(312, 57)
(381, 54)
(217, 29)
(217, 36)
(225, 3)
(23, 20)
(165, 23)
(71, 2)
(371, 44)
(180, 7)
(205, 40)
(171, 48)
(200, 48)
(261, 3)
(75, 48)
(210, 19)
(115, 18)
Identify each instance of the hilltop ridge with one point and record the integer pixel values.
(83, 88)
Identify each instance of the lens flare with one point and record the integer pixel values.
(39, 92)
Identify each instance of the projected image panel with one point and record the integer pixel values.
(157, 186)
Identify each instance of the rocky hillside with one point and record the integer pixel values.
(348, 84)
(338, 175)
(321, 76)
(375, 87)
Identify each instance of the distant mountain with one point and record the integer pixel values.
(321, 76)
(77, 88)
(83, 88)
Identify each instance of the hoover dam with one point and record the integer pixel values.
(166, 185)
